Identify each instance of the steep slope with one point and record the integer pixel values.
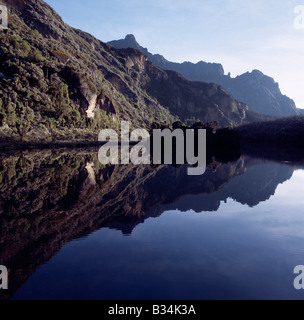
(260, 92)
(194, 100)
(54, 78)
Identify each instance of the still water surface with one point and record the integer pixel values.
(240, 241)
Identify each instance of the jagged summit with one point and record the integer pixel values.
(259, 91)
(186, 68)
(128, 42)
(131, 38)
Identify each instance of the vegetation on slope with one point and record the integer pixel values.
(53, 76)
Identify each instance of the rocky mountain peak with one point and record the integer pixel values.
(131, 38)
(128, 42)
(259, 91)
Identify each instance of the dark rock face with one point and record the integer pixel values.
(255, 89)
(201, 100)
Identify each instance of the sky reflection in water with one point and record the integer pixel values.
(237, 252)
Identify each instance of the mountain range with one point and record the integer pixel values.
(260, 92)
(58, 83)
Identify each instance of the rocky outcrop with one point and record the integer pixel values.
(92, 106)
(104, 103)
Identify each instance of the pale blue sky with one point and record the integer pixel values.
(240, 34)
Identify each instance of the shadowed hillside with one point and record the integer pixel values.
(58, 83)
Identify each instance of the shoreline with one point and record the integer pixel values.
(10, 146)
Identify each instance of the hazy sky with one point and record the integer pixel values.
(240, 34)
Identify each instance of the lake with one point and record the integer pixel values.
(74, 229)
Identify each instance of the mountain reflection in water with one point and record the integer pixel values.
(51, 197)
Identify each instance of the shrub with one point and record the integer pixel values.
(61, 56)
(22, 46)
(103, 121)
(3, 118)
(36, 55)
(11, 114)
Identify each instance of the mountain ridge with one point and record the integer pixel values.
(260, 92)
(54, 78)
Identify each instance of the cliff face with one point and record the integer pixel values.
(53, 76)
(255, 89)
(194, 100)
